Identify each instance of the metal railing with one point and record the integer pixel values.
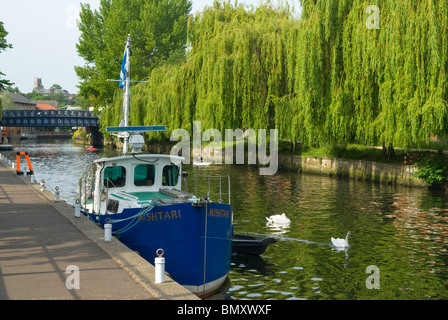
(86, 186)
(212, 186)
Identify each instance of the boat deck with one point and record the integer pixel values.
(163, 196)
(140, 196)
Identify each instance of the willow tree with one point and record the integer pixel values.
(371, 86)
(361, 66)
(234, 68)
(238, 58)
(314, 110)
(412, 78)
(397, 74)
(323, 78)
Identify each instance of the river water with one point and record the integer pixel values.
(400, 233)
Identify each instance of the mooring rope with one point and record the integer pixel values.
(134, 219)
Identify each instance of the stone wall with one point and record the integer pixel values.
(357, 169)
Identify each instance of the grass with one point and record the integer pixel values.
(436, 145)
(351, 151)
(355, 152)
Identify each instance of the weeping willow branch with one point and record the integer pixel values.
(321, 78)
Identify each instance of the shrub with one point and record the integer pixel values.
(433, 170)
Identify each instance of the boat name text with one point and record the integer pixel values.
(161, 215)
(220, 213)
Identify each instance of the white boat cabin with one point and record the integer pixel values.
(132, 181)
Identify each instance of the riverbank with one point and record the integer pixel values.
(363, 170)
(42, 238)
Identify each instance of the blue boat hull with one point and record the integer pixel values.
(197, 241)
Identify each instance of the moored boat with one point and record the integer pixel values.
(6, 147)
(91, 148)
(202, 163)
(251, 245)
(141, 196)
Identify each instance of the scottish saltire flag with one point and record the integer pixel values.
(122, 82)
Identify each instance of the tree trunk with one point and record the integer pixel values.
(388, 152)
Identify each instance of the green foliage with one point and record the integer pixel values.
(6, 101)
(349, 151)
(434, 169)
(229, 79)
(158, 30)
(59, 97)
(323, 79)
(3, 46)
(3, 33)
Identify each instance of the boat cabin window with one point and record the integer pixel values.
(170, 175)
(144, 175)
(115, 177)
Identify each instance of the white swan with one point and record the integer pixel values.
(341, 243)
(279, 219)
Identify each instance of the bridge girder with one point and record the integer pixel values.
(48, 118)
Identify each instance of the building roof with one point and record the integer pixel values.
(17, 98)
(45, 106)
(53, 103)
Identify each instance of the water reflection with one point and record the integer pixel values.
(247, 263)
(403, 231)
(58, 162)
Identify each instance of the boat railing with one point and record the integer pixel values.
(213, 186)
(86, 187)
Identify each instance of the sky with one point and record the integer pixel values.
(44, 35)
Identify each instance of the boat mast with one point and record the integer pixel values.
(124, 129)
(127, 94)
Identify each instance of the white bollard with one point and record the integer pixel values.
(107, 232)
(56, 194)
(13, 165)
(25, 173)
(159, 263)
(33, 179)
(9, 162)
(42, 185)
(77, 209)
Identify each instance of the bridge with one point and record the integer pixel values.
(48, 118)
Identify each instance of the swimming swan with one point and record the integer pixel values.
(341, 243)
(279, 219)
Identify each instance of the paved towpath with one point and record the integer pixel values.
(40, 240)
